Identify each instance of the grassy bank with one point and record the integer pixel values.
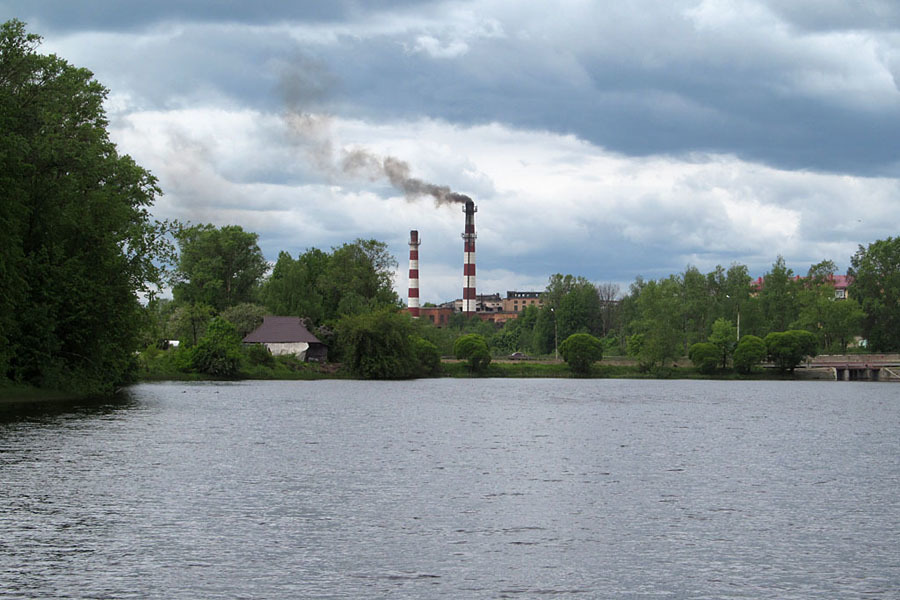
(615, 369)
(290, 369)
(171, 366)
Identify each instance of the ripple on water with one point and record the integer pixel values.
(448, 488)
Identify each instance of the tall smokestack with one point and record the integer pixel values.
(468, 299)
(414, 274)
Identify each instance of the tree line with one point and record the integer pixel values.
(659, 321)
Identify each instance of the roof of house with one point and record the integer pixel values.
(838, 281)
(842, 281)
(281, 330)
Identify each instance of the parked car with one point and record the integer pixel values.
(518, 356)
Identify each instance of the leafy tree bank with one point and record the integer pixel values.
(876, 282)
(78, 243)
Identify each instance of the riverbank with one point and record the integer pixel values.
(13, 394)
(613, 368)
(618, 368)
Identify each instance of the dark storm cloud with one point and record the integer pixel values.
(838, 15)
(675, 108)
(115, 15)
(655, 84)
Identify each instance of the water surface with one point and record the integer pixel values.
(456, 489)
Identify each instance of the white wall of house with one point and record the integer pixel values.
(280, 348)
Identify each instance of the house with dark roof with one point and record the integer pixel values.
(288, 335)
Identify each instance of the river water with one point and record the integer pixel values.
(456, 489)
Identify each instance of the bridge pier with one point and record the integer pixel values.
(861, 373)
(860, 367)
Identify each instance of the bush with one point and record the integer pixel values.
(787, 349)
(219, 351)
(580, 351)
(429, 357)
(259, 355)
(705, 357)
(378, 345)
(474, 350)
(750, 351)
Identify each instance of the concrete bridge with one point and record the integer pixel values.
(859, 367)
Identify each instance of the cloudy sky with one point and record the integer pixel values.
(603, 139)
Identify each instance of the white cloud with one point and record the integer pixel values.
(547, 202)
(437, 49)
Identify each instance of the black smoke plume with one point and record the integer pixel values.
(361, 161)
(305, 85)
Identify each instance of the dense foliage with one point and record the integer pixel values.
(876, 283)
(218, 267)
(704, 356)
(787, 349)
(353, 279)
(473, 349)
(78, 244)
(750, 351)
(219, 351)
(723, 337)
(379, 345)
(581, 351)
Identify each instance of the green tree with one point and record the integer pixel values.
(293, 287)
(750, 351)
(78, 245)
(220, 267)
(815, 295)
(843, 322)
(358, 278)
(428, 357)
(610, 313)
(875, 271)
(705, 356)
(378, 345)
(354, 278)
(575, 306)
(188, 323)
(658, 318)
(581, 351)
(724, 338)
(219, 351)
(697, 306)
(516, 335)
(787, 349)
(474, 350)
(544, 335)
(738, 305)
(778, 296)
(245, 317)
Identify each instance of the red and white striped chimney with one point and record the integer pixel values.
(414, 274)
(468, 299)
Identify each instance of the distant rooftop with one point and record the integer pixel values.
(281, 330)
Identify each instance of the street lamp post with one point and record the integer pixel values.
(738, 319)
(555, 336)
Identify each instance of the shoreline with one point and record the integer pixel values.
(617, 368)
(12, 395)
